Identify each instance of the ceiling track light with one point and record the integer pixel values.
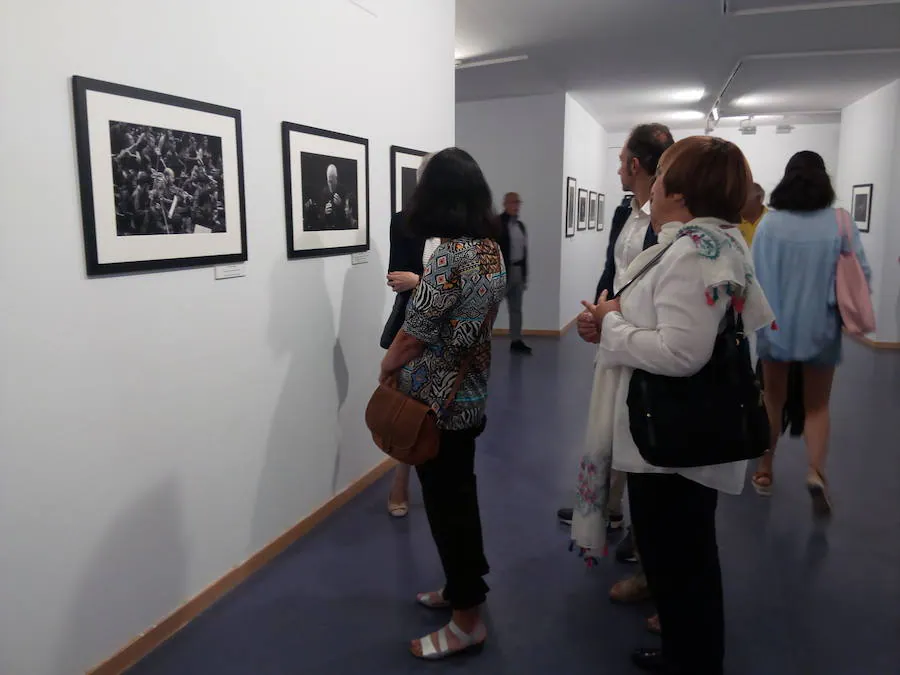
(462, 65)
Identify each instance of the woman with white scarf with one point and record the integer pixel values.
(666, 323)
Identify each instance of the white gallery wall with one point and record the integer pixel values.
(870, 153)
(766, 151)
(157, 429)
(518, 142)
(582, 257)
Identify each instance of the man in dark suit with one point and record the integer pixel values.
(514, 246)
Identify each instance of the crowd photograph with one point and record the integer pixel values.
(166, 181)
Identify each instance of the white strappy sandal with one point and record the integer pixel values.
(433, 600)
(441, 650)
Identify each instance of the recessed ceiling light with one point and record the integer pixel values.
(689, 95)
(686, 115)
(753, 100)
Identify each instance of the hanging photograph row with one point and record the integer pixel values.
(584, 208)
(155, 170)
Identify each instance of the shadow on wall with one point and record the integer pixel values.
(357, 359)
(136, 575)
(301, 444)
(318, 441)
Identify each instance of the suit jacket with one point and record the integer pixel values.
(623, 212)
(504, 242)
(406, 249)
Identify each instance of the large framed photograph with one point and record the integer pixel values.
(161, 177)
(861, 207)
(326, 191)
(592, 210)
(404, 171)
(582, 209)
(571, 206)
(601, 211)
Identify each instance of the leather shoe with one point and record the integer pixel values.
(649, 660)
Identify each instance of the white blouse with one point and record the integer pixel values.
(430, 246)
(666, 327)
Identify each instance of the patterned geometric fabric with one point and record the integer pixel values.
(461, 286)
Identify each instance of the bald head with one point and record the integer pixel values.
(512, 203)
(331, 175)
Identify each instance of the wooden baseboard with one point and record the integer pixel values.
(503, 332)
(874, 344)
(154, 636)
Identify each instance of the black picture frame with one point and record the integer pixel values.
(592, 210)
(582, 209)
(571, 203)
(113, 241)
(316, 241)
(403, 161)
(601, 211)
(861, 206)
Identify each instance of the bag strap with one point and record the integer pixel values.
(843, 218)
(646, 267)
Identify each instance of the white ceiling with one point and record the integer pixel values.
(629, 61)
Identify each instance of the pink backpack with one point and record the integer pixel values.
(853, 297)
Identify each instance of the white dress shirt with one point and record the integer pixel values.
(666, 327)
(631, 240)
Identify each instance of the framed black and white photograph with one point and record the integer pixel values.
(404, 170)
(592, 210)
(326, 191)
(161, 177)
(861, 206)
(601, 204)
(571, 206)
(582, 209)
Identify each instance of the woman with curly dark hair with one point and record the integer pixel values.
(447, 332)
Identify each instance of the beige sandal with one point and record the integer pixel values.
(818, 490)
(398, 510)
(764, 489)
(433, 600)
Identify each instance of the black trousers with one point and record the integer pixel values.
(676, 519)
(451, 503)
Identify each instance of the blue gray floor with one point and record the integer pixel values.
(799, 598)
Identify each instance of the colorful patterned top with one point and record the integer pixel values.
(452, 312)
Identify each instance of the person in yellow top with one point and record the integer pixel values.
(753, 211)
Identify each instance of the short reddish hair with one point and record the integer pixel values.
(711, 174)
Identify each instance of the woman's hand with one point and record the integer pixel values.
(387, 378)
(602, 308)
(400, 282)
(587, 328)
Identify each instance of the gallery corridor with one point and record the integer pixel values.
(799, 598)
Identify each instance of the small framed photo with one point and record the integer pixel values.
(601, 211)
(161, 177)
(592, 210)
(571, 206)
(582, 209)
(404, 174)
(326, 191)
(861, 206)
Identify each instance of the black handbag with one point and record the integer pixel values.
(715, 416)
(395, 321)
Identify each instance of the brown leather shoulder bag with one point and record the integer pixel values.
(405, 428)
